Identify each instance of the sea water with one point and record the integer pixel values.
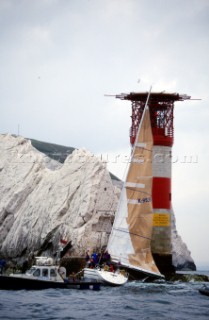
(135, 300)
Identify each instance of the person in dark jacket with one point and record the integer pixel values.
(2, 265)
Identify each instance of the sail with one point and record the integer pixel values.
(129, 242)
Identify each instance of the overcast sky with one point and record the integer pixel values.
(59, 57)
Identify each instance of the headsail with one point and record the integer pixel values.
(129, 242)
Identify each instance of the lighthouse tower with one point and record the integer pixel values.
(161, 106)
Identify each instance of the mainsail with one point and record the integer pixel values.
(129, 242)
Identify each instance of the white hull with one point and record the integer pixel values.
(107, 277)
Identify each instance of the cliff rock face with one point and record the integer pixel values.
(181, 256)
(44, 201)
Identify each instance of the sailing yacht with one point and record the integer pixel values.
(130, 238)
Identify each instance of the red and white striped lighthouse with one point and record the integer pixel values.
(161, 107)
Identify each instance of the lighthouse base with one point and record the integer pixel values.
(164, 264)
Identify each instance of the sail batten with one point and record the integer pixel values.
(129, 242)
(141, 145)
(135, 185)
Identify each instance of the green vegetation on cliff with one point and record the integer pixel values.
(57, 152)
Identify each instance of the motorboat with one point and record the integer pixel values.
(45, 275)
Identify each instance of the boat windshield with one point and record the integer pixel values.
(31, 270)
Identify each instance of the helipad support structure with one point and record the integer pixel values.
(161, 107)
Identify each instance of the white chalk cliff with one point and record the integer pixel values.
(181, 256)
(43, 201)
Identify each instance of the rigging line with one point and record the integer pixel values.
(144, 216)
(134, 234)
(124, 256)
(126, 167)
